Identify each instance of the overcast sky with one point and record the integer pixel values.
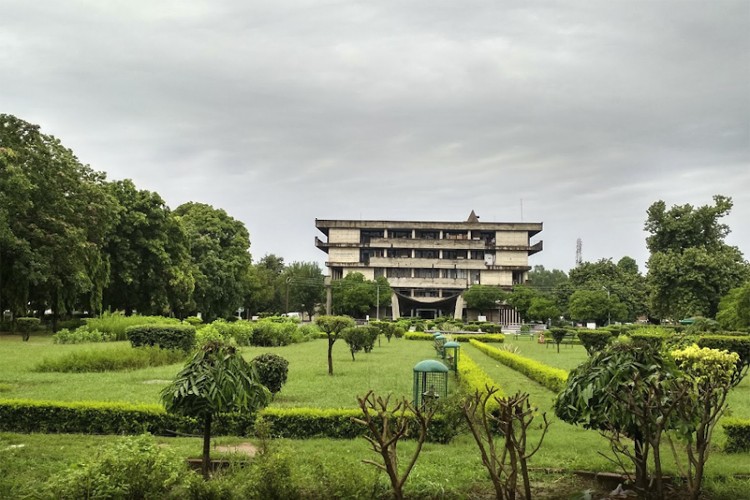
(575, 114)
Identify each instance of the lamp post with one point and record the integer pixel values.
(609, 319)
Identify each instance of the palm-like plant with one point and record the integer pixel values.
(216, 380)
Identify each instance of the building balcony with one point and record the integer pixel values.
(458, 283)
(406, 262)
(509, 267)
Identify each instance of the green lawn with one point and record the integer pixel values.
(388, 369)
(449, 471)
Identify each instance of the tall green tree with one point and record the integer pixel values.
(304, 286)
(734, 309)
(596, 305)
(483, 297)
(151, 269)
(691, 267)
(552, 284)
(356, 296)
(55, 217)
(521, 298)
(622, 280)
(219, 248)
(266, 290)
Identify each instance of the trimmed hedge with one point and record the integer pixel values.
(459, 337)
(654, 340)
(164, 336)
(335, 423)
(27, 416)
(553, 379)
(88, 418)
(473, 379)
(594, 340)
(738, 434)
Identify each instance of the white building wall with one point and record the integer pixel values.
(512, 259)
(343, 255)
(509, 238)
(343, 236)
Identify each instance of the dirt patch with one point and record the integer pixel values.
(248, 449)
(156, 381)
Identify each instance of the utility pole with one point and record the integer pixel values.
(329, 299)
(377, 295)
(288, 280)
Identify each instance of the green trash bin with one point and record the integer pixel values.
(430, 382)
(451, 351)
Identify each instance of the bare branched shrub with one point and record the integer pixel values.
(502, 437)
(387, 425)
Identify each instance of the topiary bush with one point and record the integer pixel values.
(272, 371)
(25, 326)
(177, 336)
(594, 340)
(240, 330)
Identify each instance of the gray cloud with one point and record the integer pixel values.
(283, 112)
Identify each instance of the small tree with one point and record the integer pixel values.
(709, 371)
(630, 391)
(333, 326)
(558, 334)
(386, 427)
(216, 380)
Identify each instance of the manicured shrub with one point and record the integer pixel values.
(177, 336)
(553, 379)
(116, 323)
(120, 359)
(594, 340)
(655, 340)
(131, 467)
(25, 326)
(80, 335)
(703, 325)
(738, 434)
(272, 371)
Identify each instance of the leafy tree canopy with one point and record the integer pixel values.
(734, 309)
(305, 286)
(622, 280)
(219, 248)
(691, 267)
(483, 297)
(356, 296)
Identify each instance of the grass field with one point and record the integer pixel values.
(444, 471)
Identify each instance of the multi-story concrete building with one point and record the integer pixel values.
(430, 264)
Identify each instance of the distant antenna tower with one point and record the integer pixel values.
(579, 252)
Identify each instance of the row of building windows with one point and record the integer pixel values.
(366, 235)
(405, 253)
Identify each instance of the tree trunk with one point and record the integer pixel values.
(330, 354)
(641, 470)
(206, 463)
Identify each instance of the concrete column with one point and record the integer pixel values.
(329, 299)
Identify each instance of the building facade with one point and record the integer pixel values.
(430, 264)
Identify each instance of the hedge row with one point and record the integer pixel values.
(459, 337)
(594, 340)
(473, 379)
(164, 336)
(738, 434)
(28, 416)
(553, 379)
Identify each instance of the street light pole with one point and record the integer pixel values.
(609, 307)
